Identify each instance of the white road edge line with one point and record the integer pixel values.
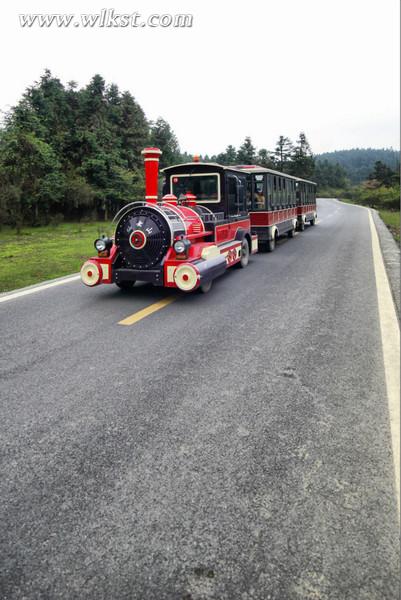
(390, 334)
(38, 288)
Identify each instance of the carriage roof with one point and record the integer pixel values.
(240, 169)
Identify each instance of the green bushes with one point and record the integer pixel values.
(386, 198)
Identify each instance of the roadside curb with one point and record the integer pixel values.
(391, 257)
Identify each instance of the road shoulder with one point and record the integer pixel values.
(391, 258)
(390, 253)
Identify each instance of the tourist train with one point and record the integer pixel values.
(210, 218)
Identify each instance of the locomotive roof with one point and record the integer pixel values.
(239, 168)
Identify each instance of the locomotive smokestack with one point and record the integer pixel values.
(151, 159)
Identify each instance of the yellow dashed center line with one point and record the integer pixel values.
(148, 310)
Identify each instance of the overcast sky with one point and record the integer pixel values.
(328, 67)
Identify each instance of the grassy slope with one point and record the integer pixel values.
(44, 253)
(392, 220)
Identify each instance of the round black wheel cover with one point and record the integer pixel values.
(143, 237)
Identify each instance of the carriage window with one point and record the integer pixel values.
(204, 187)
(259, 192)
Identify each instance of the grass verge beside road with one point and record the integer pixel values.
(392, 220)
(40, 253)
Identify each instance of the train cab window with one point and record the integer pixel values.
(259, 192)
(205, 187)
(242, 202)
(236, 194)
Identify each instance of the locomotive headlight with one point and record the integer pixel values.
(100, 245)
(103, 245)
(179, 247)
(182, 247)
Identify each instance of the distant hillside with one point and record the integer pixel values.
(359, 162)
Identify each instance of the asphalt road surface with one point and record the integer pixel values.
(234, 445)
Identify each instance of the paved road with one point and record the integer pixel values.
(234, 445)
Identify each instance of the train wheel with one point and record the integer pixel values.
(271, 244)
(204, 288)
(313, 221)
(244, 254)
(291, 233)
(125, 285)
(301, 226)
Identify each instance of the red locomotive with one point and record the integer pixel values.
(176, 243)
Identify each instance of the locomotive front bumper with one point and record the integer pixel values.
(154, 276)
(186, 276)
(189, 276)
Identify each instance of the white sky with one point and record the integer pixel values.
(328, 67)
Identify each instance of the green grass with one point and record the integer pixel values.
(40, 253)
(392, 220)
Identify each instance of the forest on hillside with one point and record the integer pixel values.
(75, 153)
(358, 163)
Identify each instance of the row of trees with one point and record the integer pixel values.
(295, 159)
(66, 152)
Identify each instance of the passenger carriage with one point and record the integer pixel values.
(280, 204)
(276, 203)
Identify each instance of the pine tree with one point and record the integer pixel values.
(163, 137)
(247, 152)
(383, 174)
(302, 160)
(231, 155)
(265, 159)
(228, 157)
(283, 153)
